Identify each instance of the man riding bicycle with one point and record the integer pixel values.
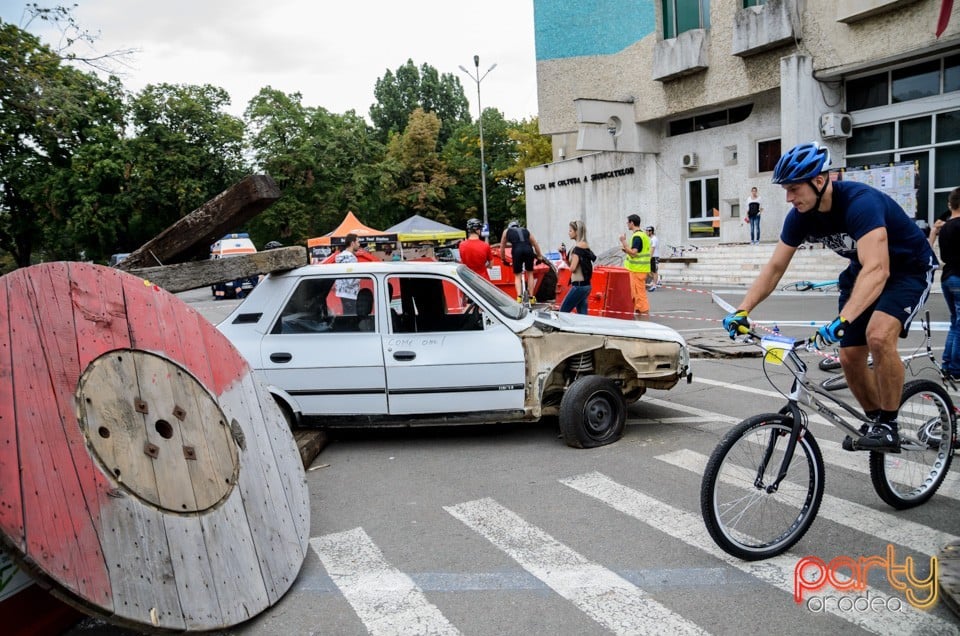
(881, 290)
(524, 251)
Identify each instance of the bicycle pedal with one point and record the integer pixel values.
(848, 444)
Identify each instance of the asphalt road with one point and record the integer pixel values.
(505, 530)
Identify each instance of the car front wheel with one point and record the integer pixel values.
(592, 412)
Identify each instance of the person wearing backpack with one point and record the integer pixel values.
(581, 270)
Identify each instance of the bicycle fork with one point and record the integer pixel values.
(799, 426)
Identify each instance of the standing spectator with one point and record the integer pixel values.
(949, 238)
(754, 209)
(524, 250)
(581, 270)
(654, 259)
(637, 262)
(347, 288)
(475, 253)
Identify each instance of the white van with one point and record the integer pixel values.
(233, 245)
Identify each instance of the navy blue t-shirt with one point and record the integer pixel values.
(857, 209)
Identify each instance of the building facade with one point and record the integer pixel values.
(674, 109)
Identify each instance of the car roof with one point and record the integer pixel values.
(361, 267)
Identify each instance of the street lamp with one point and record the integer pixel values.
(483, 168)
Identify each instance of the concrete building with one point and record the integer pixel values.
(674, 109)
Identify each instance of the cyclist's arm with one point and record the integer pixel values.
(872, 250)
(769, 276)
(536, 247)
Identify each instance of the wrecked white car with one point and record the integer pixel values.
(411, 343)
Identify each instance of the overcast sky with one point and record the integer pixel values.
(330, 51)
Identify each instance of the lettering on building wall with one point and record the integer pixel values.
(596, 176)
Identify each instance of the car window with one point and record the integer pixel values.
(330, 305)
(431, 304)
(489, 292)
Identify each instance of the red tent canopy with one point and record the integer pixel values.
(352, 225)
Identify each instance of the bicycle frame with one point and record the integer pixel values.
(802, 392)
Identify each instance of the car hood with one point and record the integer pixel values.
(575, 323)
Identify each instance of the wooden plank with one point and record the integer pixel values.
(11, 508)
(276, 533)
(51, 286)
(309, 443)
(191, 236)
(183, 276)
(140, 563)
(48, 480)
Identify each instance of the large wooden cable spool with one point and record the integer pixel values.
(145, 475)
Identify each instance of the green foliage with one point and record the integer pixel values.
(88, 169)
(399, 94)
(321, 162)
(413, 172)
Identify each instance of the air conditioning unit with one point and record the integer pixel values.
(836, 125)
(689, 160)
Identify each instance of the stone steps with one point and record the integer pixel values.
(739, 264)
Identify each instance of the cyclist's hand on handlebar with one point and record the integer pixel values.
(736, 323)
(830, 334)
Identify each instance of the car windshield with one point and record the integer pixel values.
(489, 292)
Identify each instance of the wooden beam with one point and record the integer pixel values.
(191, 236)
(183, 276)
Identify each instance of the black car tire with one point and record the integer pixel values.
(592, 412)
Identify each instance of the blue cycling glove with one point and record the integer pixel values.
(736, 323)
(830, 334)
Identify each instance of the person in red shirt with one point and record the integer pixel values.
(474, 251)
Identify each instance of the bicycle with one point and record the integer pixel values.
(763, 484)
(807, 285)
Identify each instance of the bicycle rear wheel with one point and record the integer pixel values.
(800, 285)
(927, 440)
(741, 516)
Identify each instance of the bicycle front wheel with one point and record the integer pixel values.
(741, 515)
(927, 440)
(834, 382)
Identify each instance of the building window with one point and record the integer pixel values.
(712, 119)
(753, 3)
(684, 15)
(703, 208)
(768, 154)
(932, 140)
(915, 81)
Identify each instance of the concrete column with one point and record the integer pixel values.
(803, 100)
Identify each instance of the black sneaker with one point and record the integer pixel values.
(882, 438)
(848, 445)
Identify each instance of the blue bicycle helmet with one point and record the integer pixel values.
(802, 163)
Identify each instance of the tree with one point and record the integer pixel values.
(399, 94)
(184, 151)
(321, 161)
(49, 113)
(413, 173)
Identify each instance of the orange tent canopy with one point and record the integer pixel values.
(351, 225)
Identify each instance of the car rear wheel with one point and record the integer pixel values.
(592, 412)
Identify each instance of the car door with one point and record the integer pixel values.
(331, 361)
(445, 353)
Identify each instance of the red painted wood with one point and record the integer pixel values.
(60, 536)
(99, 311)
(11, 510)
(58, 339)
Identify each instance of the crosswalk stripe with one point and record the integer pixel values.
(777, 571)
(386, 600)
(692, 410)
(604, 596)
(882, 525)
